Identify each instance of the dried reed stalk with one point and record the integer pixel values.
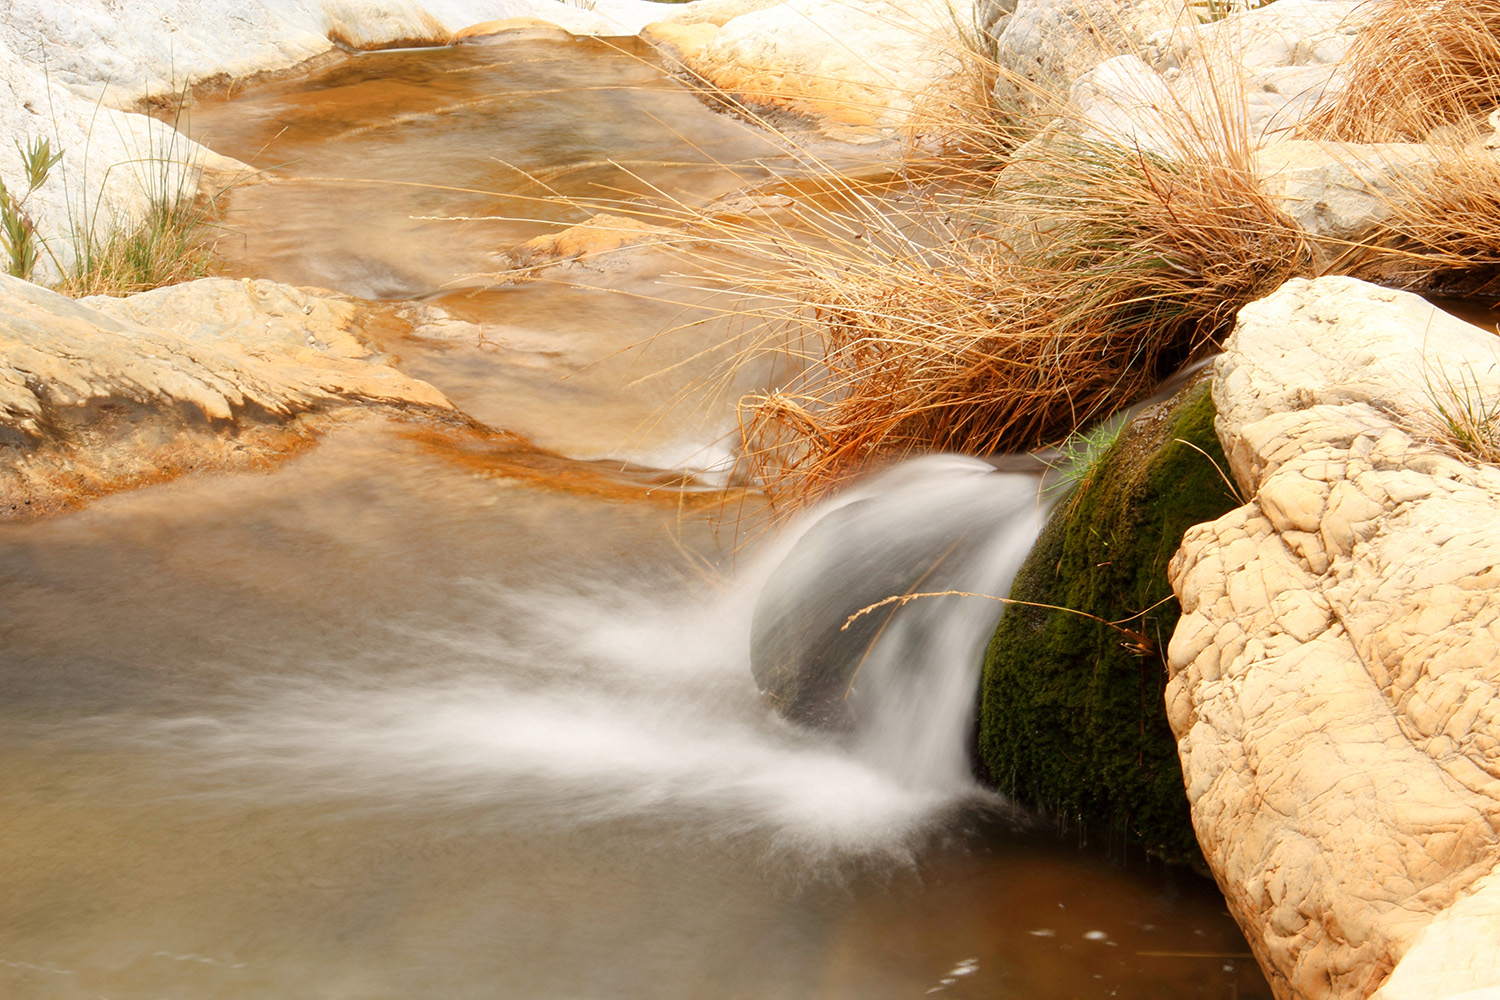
(1418, 66)
(1089, 273)
(1442, 229)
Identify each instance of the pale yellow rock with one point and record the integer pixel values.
(594, 245)
(509, 26)
(1294, 502)
(1340, 732)
(855, 67)
(100, 394)
(1341, 191)
(680, 44)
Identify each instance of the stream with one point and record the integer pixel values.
(387, 723)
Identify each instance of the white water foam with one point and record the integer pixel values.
(588, 707)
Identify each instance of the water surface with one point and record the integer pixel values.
(394, 721)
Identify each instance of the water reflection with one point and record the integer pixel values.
(368, 158)
(372, 162)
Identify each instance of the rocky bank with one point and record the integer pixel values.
(105, 394)
(1334, 675)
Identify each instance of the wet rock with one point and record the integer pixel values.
(509, 29)
(801, 655)
(1071, 716)
(824, 647)
(108, 393)
(1336, 671)
(602, 243)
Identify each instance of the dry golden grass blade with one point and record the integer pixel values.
(1091, 273)
(1420, 65)
(1442, 230)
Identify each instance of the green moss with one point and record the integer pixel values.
(1071, 718)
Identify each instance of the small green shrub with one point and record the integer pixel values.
(1463, 417)
(106, 254)
(167, 246)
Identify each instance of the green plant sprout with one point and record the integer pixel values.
(1078, 457)
(17, 231)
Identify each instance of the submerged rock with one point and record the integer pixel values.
(109, 393)
(605, 242)
(825, 648)
(1336, 673)
(1071, 716)
(801, 654)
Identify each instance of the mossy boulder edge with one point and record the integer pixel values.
(1071, 714)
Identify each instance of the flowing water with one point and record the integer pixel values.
(387, 723)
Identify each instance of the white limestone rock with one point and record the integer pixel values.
(1255, 73)
(1342, 191)
(120, 53)
(1045, 45)
(1246, 81)
(1335, 679)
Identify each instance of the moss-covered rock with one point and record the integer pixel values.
(1071, 713)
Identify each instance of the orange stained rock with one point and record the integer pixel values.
(600, 235)
(679, 41)
(503, 455)
(102, 395)
(485, 29)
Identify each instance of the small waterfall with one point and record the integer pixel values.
(561, 694)
(901, 678)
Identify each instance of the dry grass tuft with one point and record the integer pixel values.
(169, 245)
(1419, 66)
(1464, 417)
(997, 290)
(1088, 274)
(1025, 285)
(1442, 232)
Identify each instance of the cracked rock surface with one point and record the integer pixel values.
(1336, 669)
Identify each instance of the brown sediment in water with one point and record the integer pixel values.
(503, 455)
(113, 446)
(226, 86)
